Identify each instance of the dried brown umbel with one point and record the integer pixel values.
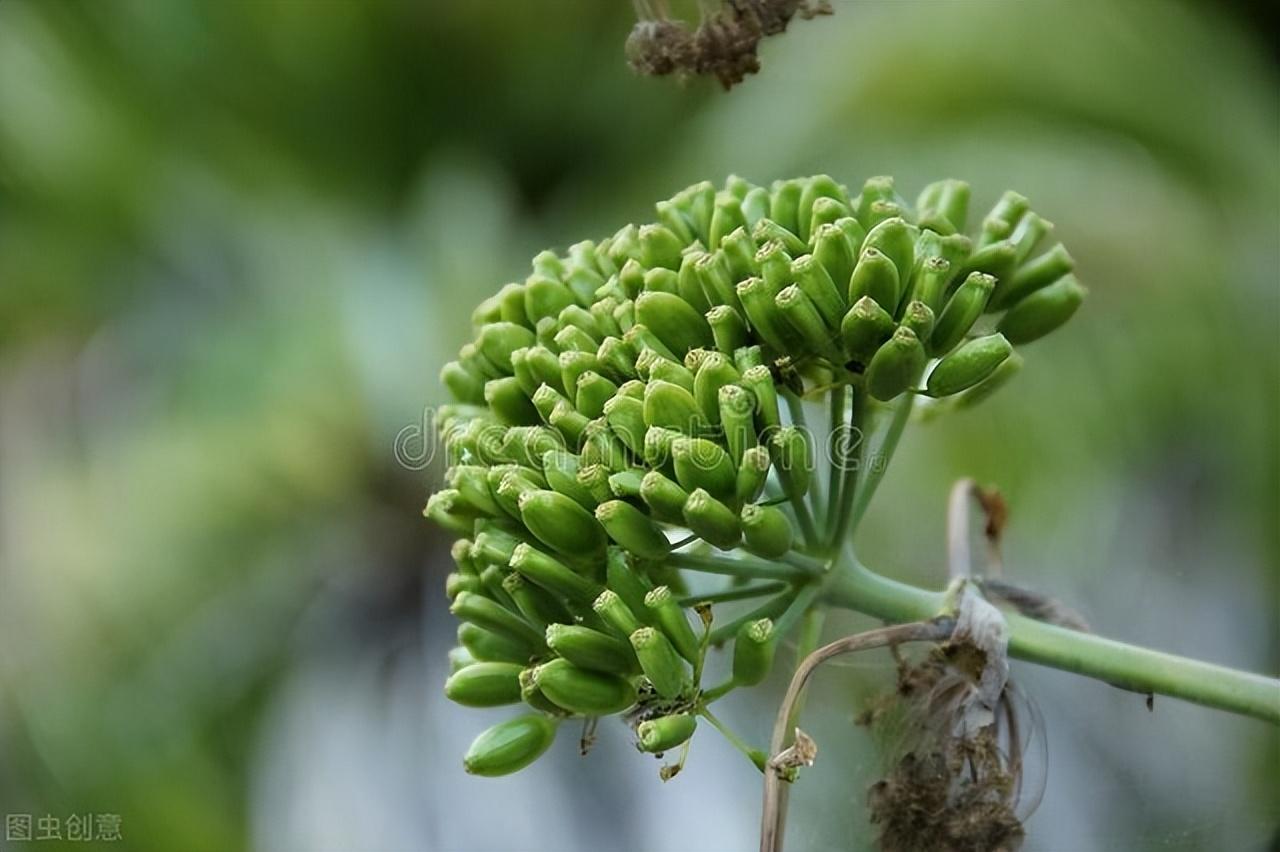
(724, 44)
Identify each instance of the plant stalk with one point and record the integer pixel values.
(853, 586)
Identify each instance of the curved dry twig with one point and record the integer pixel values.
(775, 793)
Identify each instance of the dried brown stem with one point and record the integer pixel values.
(773, 816)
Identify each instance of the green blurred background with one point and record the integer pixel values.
(238, 240)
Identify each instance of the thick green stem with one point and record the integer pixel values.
(855, 587)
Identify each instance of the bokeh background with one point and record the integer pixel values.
(238, 240)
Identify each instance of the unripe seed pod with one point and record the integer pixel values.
(544, 366)
(768, 231)
(716, 281)
(669, 616)
(573, 363)
(510, 746)
(961, 312)
(460, 551)
(673, 220)
(485, 685)
(560, 523)
(617, 358)
(759, 381)
(896, 240)
(1042, 311)
(726, 218)
(533, 696)
(625, 417)
(640, 337)
(875, 275)
(591, 649)
(456, 583)
(919, 318)
(594, 477)
(492, 616)
(659, 247)
(999, 260)
(775, 266)
(712, 520)
(896, 366)
(493, 547)
(1009, 209)
(615, 613)
(690, 286)
(672, 407)
(624, 580)
(472, 485)
(499, 339)
(632, 529)
(442, 507)
(657, 448)
(511, 305)
(865, 328)
(546, 330)
(814, 191)
(1028, 234)
(526, 445)
(626, 483)
(802, 314)
(700, 463)
(625, 316)
(753, 472)
(931, 282)
(545, 297)
(463, 384)
(474, 360)
(784, 204)
(581, 691)
(661, 281)
(631, 278)
(547, 263)
(763, 314)
(1038, 273)
(509, 403)
(552, 575)
(879, 188)
(664, 498)
(601, 446)
(992, 383)
(753, 651)
(662, 370)
(491, 587)
(766, 531)
(833, 251)
(678, 324)
(826, 211)
(459, 659)
(568, 421)
(813, 279)
(714, 373)
(968, 365)
(660, 662)
(746, 357)
(756, 205)
(793, 457)
(665, 733)
(594, 390)
(737, 418)
(633, 389)
(739, 252)
(494, 647)
(561, 470)
(697, 203)
(538, 606)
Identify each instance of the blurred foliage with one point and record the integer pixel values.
(238, 239)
